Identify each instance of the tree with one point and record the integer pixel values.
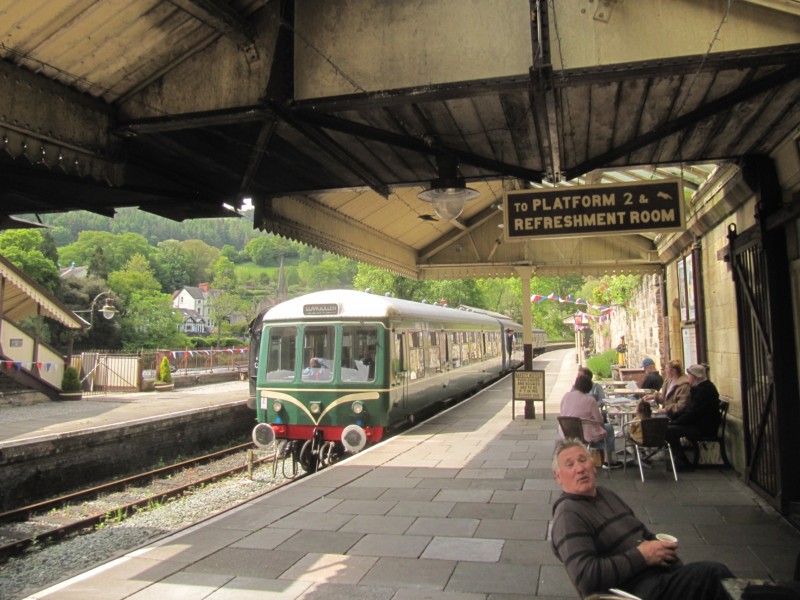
(136, 277)
(149, 321)
(23, 248)
(615, 289)
(231, 253)
(453, 292)
(260, 251)
(224, 270)
(98, 265)
(200, 260)
(223, 308)
(503, 296)
(171, 266)
(49, 247)
(117, 249)
(550, 315)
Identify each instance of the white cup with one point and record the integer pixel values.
(665, 537)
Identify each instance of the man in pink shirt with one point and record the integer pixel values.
(578, 403)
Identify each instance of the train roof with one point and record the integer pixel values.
(352, 304)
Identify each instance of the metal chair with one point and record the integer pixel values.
(654, 440)
(718, 437)
(572, 427)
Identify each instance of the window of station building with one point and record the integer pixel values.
(686, 297)
(359, 353)
(281, 353)
(686, 288)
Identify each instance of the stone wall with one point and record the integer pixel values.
(656, 330)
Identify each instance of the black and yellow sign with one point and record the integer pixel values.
(594, 210)
(528, 386)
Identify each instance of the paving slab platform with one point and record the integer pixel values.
(457, 508)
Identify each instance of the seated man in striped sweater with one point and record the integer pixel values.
(603, 545)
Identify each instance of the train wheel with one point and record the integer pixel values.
(307, 459)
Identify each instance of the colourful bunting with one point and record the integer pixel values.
(537, 298)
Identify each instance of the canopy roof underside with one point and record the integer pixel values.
(332, 116)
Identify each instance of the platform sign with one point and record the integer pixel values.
(594, 210)
(527, 386)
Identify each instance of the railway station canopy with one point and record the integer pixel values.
(333, 116)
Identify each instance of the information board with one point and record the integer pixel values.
(594, 210)
(528, 386)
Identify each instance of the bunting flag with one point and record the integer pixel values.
(582, 317)
(537, 298)
(20, 364)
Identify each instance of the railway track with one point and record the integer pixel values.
(86, 509)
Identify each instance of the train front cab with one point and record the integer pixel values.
(324, 383)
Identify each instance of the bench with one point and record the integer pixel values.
(242, 368)
(719, 438)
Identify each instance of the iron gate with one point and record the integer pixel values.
(103, 373)
(759, 409)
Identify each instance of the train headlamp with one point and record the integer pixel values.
(277, 406)
(358, 407)
(316, 408)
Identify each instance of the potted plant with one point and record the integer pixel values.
(164, 381)
(71, 384)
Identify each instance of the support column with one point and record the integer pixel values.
(525, 274)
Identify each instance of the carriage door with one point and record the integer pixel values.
(399, 373)
(767, 354)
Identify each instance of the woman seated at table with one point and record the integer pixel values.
(675, 392)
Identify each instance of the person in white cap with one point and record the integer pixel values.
(699, 417)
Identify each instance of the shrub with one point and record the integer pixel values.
(164, 372)
(71, 382)
(600, 364)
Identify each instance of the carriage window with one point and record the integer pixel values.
(416, 356)
(455, 349)
(281, 353)
(434, 361)
(359, 353)
(473, 346)
(318, 344)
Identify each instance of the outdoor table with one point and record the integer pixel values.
(619, 412)
(613, 384)
(622, 392)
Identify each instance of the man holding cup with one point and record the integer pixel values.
(604, 546)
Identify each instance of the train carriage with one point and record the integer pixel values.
(337, 369)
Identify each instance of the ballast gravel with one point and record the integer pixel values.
(45, 566)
